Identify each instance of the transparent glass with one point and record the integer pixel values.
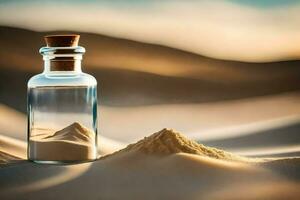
(62, 111)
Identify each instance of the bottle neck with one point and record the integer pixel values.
(62, 60)
(62, 65)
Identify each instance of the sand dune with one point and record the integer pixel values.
(205, 121)
(202, 122)
(134, 174)
(115, 178)
(273, 190)
(268, 138)
(14, 148)
(273, 151)
(289, 167)
(133, 73)
(7, 115)
(6, 158)
(118, 53)
(124, 88)
(141, 177)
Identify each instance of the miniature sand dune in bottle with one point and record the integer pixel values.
(72, 143)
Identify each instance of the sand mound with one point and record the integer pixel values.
(74, 132)
(167, 141)
(75, 142)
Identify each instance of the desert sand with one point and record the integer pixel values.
(165, 165)
(236, 106)
(12, 150)
(176, 175)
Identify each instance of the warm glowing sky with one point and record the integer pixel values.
(247, 30)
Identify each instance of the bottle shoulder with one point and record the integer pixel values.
(79, 79)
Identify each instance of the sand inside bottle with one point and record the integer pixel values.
(73, 143)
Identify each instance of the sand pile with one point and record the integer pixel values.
(74, 132)
(72, 143)
(167, 141)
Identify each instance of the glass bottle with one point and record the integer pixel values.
(62, 106)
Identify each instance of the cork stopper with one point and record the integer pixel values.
(70, 40)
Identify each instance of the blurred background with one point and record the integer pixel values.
(226, 73)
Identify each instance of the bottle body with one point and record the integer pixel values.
(62, 117)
